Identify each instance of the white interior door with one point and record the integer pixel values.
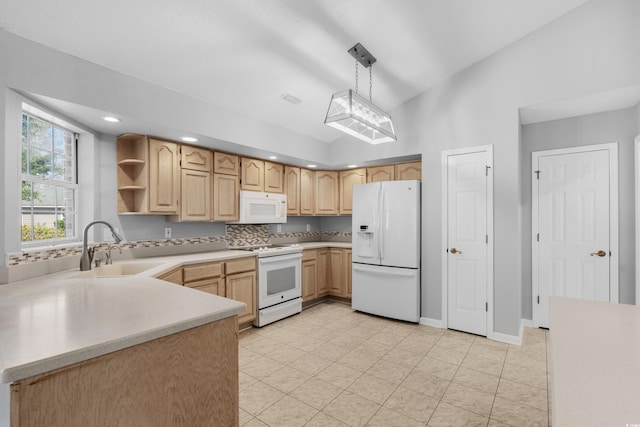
(573, 242)
(467, 237)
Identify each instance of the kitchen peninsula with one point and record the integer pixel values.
(102, 351)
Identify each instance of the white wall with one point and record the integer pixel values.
(592, 49)
(612, 126)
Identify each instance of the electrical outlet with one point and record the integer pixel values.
(167, 232)
(279, 228)
(308, 227)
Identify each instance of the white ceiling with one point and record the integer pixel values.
(242, 55)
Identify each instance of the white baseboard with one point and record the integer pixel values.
(508, 339)
(527, 323)
(434, 323)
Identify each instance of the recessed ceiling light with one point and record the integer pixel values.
(312, 166)
(273, 157)
(189, 139)
(352, 166)
(290, 98)
(111, 119)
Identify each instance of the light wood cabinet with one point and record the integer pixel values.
(273, 177)
(241, 286)
(336, 281)
(206, 277)
(226, 163)
(326, 193)
(252, 174)
(347, 272)
(174, 276)
(132, 174)
(195, 196)
(226, 197)
(164, 177)
(195, 158)
(348, 179)
(411, 170)
(309, 275)
(381, 173)
(307, 191)
(292, 189)
(322, 265)
(149, 384)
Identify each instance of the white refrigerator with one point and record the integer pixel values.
(386, 249)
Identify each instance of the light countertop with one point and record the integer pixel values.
(55, 320)
(595, 363)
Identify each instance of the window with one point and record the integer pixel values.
(49, 182)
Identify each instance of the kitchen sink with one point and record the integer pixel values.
(117, 270)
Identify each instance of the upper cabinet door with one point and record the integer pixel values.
(327, 193)
(381, 173)
(226, 163)
(348, 179)
(273, 177)
(292, 189)
(195, 196)
(195, 158)
(252, 174)
(164, 177)
(412, 170)
(307, 191)
(226, 202)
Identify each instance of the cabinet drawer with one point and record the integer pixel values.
(240, 265)
(202, 271)
(309, 254)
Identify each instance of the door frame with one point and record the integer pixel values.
(488, 150)
(637, 191)
(612, 147)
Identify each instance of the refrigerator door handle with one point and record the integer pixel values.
(381, 208)
(374, 269)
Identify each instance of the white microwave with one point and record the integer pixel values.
(262, 208)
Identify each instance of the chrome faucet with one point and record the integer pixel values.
(87, 253)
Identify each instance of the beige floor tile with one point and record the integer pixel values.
(447, 354)
(404, 357)
(331, 351)
(263, 346)
(255, 423)
(286, 354)
(339, 375)
(456, 342)
(518, 414)
(373, 388)
(415, 345)
(523, 375)
(392, 372)
(351, 409)
(261, 367)
(489, 351)
(324, 420)
(494, 423)
(482, 364)
(245, 356)
(359, 360)
(310, 363)
(246, 380)
(286, 379)
(522, 393)
(447, 415)
(425, 383)
(316, 393)
(469, 399)
(476, 380)
(386, 337)
(283, 335)
(412, 404)
(388, 418)
(287, 412)
(306, 343)
(245, 417)
(258, 397)
(437, 368)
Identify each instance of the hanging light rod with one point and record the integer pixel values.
(363, 56)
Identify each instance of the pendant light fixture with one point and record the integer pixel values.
(355, 115)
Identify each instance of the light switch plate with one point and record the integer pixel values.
(167, 232)
(279, 228)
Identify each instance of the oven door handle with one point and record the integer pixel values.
(279, 258)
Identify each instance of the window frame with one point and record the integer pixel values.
(56, 122)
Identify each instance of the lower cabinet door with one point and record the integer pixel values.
(242, 287)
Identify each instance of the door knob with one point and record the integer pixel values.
(599, 253)
(455, 251)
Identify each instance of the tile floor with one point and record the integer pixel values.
(332, 366)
